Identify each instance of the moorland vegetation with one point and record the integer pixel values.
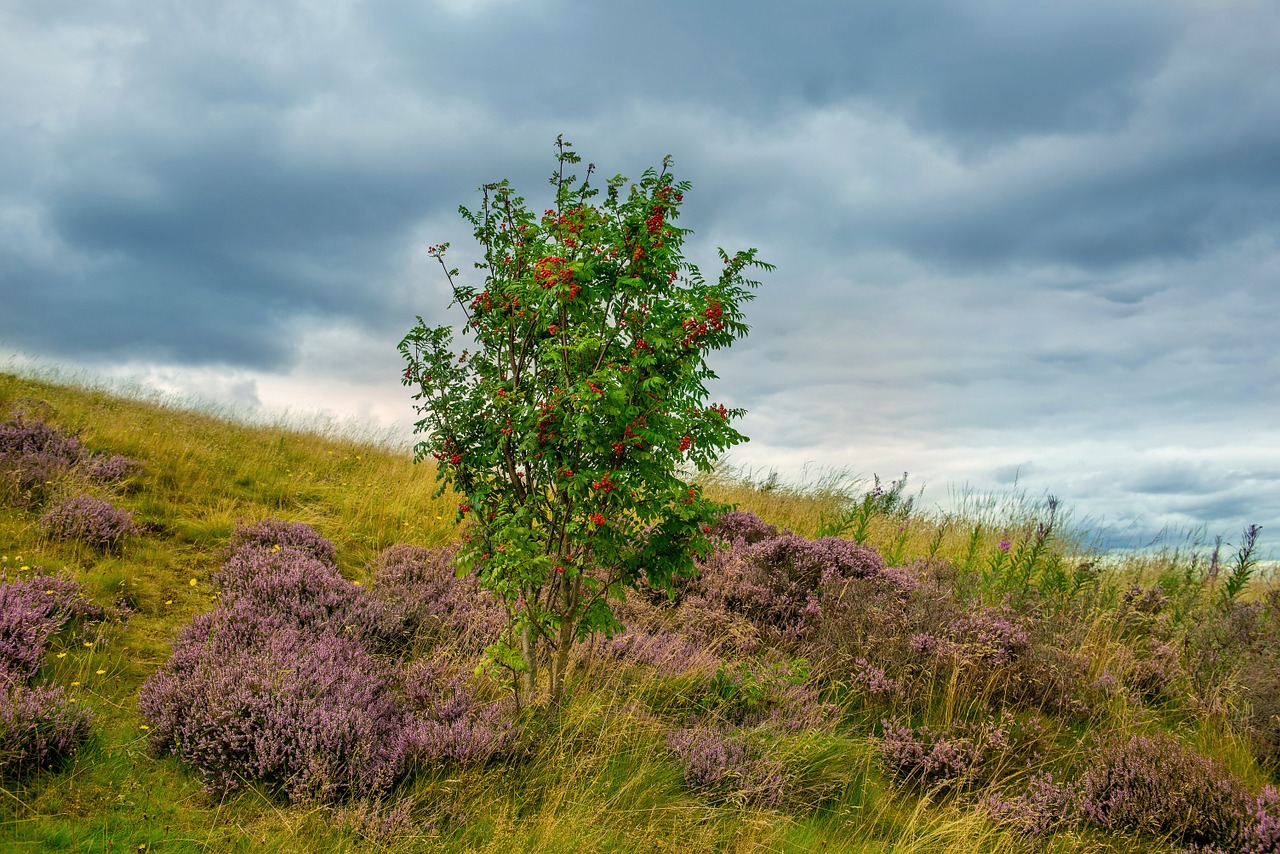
(220, 636)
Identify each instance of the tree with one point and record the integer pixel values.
(569, 426)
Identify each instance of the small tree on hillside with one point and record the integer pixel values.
(568, 427)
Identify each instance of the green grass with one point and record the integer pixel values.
(596, 779)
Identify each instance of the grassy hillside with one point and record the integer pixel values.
(921, 706)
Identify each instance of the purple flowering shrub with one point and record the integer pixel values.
(874, 682)
(773, 580)
(288, 569)
(39, 729)
(93, 521)
(1261, 834)
(724, 748)
(287, 681)
(1148, 785)
(656, 636)
(110, 468)
(668, 653)
(1044, 807)
(725, 766)
(252, 696)
(271, 532)
(959, 755)
(421, 592)
(451, 722)
(742, 528)
(32, 609)
(920, 637)
(35, 456)
(1153, 784)
(288, 582)
(986, 636)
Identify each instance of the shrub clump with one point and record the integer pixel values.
(31, 611)
(272, 532)
(450, 722)
(39, 728)
(93, 521)
(419, 590)
(1153, 784)
(285, 683)
(956, 756)
(1150, 785)
(775, 581)
(254, 696)
(721, 764)
(35, 455)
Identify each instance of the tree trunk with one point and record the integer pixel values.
(560, 663)
(569, 601)
(529, 652)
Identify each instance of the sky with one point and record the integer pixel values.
(1020, 247)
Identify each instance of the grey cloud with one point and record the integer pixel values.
(1001, 231)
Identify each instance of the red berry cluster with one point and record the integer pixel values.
(551, 270)
(713, 321)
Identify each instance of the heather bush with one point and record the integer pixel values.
(669, 653)
(110, 468)
(1043, 807)
(288, 582)
(993, 636)
(419, 590)
(923, 637)
(874, 682)
(288, 570)
(281, 684)
(451, 722)
(725, 766)
(956, 756)
(39, 729)
(1261, 834)
(92, 521)
(271, 532)
(742, 528)
(927, 758)
(35, 456)
(248, 696)
(1154, 784)
(32, 609)
(775, 582)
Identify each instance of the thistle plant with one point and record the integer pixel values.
(567, 426)
(854, 521)
(1241, 569)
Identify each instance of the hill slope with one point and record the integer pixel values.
(871, 709)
